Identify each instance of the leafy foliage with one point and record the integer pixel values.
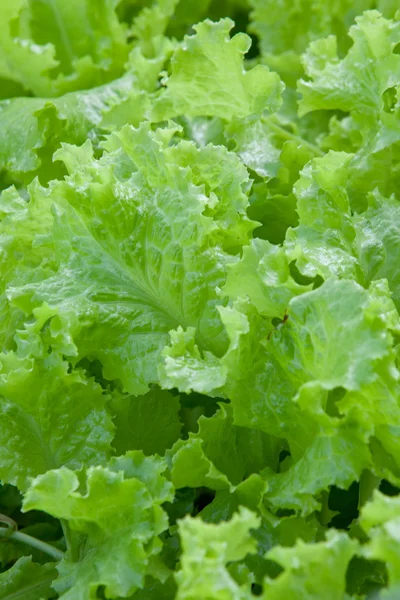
(199, 299)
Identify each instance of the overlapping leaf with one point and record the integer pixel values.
(178, 221)
(28, 580)
(118, 519)
(132, 280)
(149, 423)
(50, 47)
(206, 550)
(50, 418)
(364, 84)
(220, 87)
(325, 564)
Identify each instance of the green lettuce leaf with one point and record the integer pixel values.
(378, 239)
(363, 84)
(28, 580)
(324, 242)
(199, 299)
(149, 423)
(207, 548)
(114, 523)
(50, 418)
(22, 225)
(34, 128)
(220, 86)
(51, 47)
(221, 455)
(272, 201)
(255, 144)
(132, 281)
(287, 391)
(341, 84)
(332, 241)
(151, 23)
(322, 362)
(226, 183)
(155, 590)
(263, 272)
(312, 570)
(285, 28)
(380, 518)
(21, 60)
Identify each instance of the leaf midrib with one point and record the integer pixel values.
(144, 294)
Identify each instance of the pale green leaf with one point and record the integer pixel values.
(312, 571)
(118, 518)
(207, 78)
(26, 580)
(49, 418)
(206, 550)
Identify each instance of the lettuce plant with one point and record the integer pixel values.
(199, 299)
